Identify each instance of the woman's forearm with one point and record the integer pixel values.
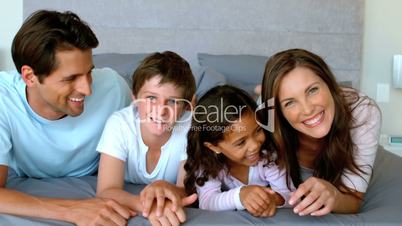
(348, 203)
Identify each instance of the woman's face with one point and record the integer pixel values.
(306, 102)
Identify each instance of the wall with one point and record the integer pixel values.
(332, 29)
(11, 19)
(382, 39)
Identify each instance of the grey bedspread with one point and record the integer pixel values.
(382, 204)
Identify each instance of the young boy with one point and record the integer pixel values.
(145, 143)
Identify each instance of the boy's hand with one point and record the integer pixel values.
(162, 190)
(258, 200)
(169, 217)
(159, 190)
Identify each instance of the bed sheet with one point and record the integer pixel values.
(382, 205)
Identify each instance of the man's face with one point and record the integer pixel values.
(63, 92)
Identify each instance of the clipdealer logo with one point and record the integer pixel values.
(270, 105)
(213, 113)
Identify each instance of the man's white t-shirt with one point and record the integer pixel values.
(122, 139)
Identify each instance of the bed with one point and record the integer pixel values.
(382, 204)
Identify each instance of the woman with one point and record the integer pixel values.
(326, 136)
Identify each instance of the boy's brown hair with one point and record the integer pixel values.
(171, 67)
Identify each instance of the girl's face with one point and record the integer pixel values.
(242, 141)
(306, 102)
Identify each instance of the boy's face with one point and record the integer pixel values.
(64, 90)
(159, 106)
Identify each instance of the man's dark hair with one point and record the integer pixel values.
(45, 32)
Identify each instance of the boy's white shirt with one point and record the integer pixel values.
(121, 139)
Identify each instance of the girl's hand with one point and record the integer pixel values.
(159, 190)
(258, 200)
(320, 197)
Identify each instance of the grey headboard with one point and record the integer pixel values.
(333, 29)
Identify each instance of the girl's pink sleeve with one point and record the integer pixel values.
(277, 180)
(211, 197)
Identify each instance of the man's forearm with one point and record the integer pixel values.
(17, 203)
(80, 211)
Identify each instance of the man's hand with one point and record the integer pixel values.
(99, 211)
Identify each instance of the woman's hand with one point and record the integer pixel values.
(259, 201)
(315, 197)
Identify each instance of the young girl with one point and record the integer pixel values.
(226, 164)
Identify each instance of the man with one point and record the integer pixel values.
(52, 113)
